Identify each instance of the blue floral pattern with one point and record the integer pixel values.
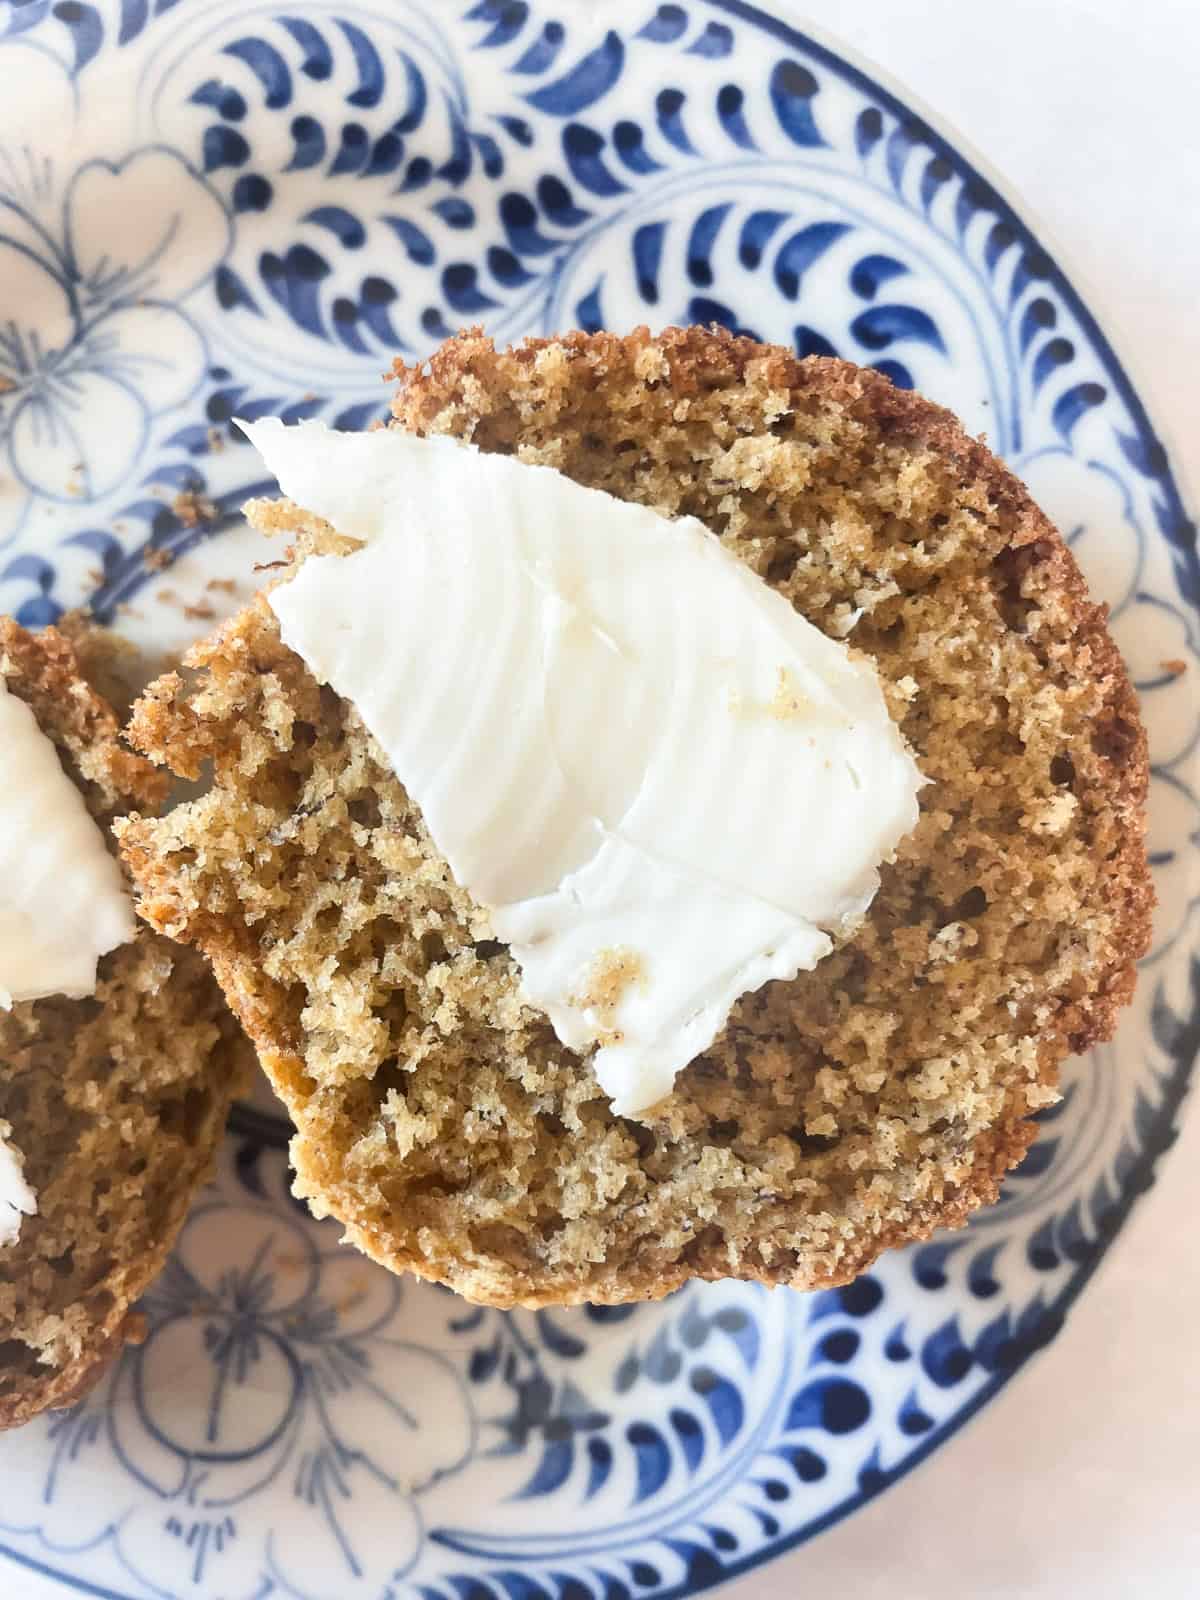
(235, 211)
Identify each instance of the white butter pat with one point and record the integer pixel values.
(63, 902)
(17, 1199)
(626, 746)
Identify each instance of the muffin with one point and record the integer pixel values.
(858, 1106)
(110, 1106)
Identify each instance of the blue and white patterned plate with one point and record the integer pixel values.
(209, 210)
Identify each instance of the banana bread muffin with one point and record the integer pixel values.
(863, 1104)
(111, 1106)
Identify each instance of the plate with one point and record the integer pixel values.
(209, 210)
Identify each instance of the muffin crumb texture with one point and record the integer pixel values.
(116, 1102)
(861, 1105)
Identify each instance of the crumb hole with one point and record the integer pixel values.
(782, 564)
(812, 1144)
(364, 809)
(643, 1137)
(723, 1133)
(389, 1076)
(1062, 770)
(972, 904)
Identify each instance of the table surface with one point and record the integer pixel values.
(1083, 1478)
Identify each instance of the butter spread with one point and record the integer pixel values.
(63, 903)
(17, 1199)
(620, 738)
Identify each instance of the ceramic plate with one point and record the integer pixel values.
(209, 210)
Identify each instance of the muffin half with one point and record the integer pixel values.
(111, 1106)
(858, 1106)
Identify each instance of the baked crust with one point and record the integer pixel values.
(117, 1103)
(861, 1106)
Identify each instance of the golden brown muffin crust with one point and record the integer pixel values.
(864, 1104)
(116, 1102)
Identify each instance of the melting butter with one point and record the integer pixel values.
(620, 738)
(63, 902)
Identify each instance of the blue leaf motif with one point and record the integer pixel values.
(353, 150)
(508, 21)
(647, 258)
(417, 244)
(1040, 1249)
(223, 147)
(690, 1435)
(833, 1405)
(540, 56)
(881, 326)
(231, 292)
(600, 1459)
(1076, 403)
(588, 312)
(981, 1278)
(318, 57)
(454, 211)
(809, 342)
(459, 285)
(742, 1329)
(1054, 353)
(872, 272)
(251, 192)
(799, 252)
(268, 66)
(714, 43)
(668, 108)
(224, 99)
(722, 1399)
(588, 81)
(308, 142)
(652, 1456)
(86, 30)
(868, 130)
(666, 25)
(756, 236)
(506, 269)
(134, 16)
(944, 1356)
(519, 217)
(730, 101)
(701, 241)
(994, 1349)
(582, 147)
(896, 371)
(913, 1420)
(558, 1339)
(792, 89)
(347, 229)
(369, 65)
(555, 200)
(553, 1470)
(629, 143)
(705, 312)
(292, 281)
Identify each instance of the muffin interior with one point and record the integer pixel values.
(859, 1105)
